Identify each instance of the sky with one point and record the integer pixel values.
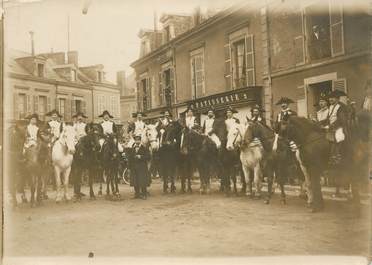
(106, 35)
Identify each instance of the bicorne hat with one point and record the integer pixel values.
(229, 108)
(34, 115)
(105, 112)
(211, 108)
(79, 114)
(284, 100)
(134, 115)
(336, 94)
(50, 113)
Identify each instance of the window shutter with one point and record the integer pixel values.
(36, 104)
(57, 106)
(299, 45)
(15, 106)
(250, 67)
(29, 108)
(339, 84)
(73, 107)
(84, 107)
(161, 89)
(140, 96)
(336, 28)
(148, 93)
(171, 83)
(67, 108)
(228, 76)
(49, 104)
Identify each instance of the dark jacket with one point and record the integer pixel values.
(138, 166)
(279, 118)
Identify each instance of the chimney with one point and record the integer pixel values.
(72, 58)
(32, 43)
(121, 82)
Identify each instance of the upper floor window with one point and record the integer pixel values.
(239, 61)
(42, 106)
(73, 75)
(197, 73)
(62, 106)
(166, 91)
(324, 30)
(40, 70)
(22, 106)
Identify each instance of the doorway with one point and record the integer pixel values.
(315, 90)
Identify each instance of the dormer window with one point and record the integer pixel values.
(100, 76)
(40, 70)
(73, 75)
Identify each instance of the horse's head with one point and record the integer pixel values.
(152, 136)
(172, 134)
(234, 136)
(68, 138)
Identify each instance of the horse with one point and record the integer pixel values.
(312, 151)
(251, 154)
(62, 157)
(204, 152)
(16, 138)
(86, 158)
(168, 154)
(46, 168)
(110, 156)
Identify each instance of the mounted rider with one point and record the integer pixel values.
(323, 112)
(55, 124)
(210, 127)
(230, 119)
(80, 125)
(137, 127)
(107, 125)
(256, 115)
(166, 119)
(32, 132)
(189, 120)
(338, 132)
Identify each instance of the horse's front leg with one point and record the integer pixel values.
(247, 175)
(57, 173)
(66, 176)
(257, 180)
(33, 187)
(91, 176)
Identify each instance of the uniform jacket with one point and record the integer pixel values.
(212, 128)
(283, 113)
(138, 166)
(108, 127)
(136, 127)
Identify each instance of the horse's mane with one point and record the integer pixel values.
(304, 124)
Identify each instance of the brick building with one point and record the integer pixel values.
(42, 82)
(256, 53)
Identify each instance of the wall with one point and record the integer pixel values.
(105, 98)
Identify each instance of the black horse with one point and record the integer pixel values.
(168, 154)
(86, 159)
(204, 153)
(110, 157)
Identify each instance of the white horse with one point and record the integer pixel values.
(62, 156)
(251, 154)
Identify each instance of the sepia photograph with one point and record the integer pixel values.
(186, 132)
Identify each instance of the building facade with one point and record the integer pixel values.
(128, 98)
(254, 54)
(42, 82)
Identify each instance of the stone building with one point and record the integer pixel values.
(255, 53)
(42, 82)
(128, 99)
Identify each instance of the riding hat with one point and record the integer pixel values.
(79, 114)
(134, 115)
(284, 100)
(229, 108)
(324, 97)
(106, 113)
(34, 115)
(210, 109)
(164, 111)
(137, 136)
(257, 107)
(50, 113)
(336, 94)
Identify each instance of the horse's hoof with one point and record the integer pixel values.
(266, 201)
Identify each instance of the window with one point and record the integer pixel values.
(146, 99)
(240, 78)
(40, 70)
(42, 109)
(78, 106)
(167, 33)
(73, 75)
(166, 91)
(101, 104)
(197, 73)
(22, 106)
(62, 106)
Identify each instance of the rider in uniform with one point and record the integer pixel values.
(32, 132)
(190, 120)
(166, 119)
(137, 127)
(284, 113)
(210, 127)
(107, 125)
(55, 124)
(256, 114)
(80, 125)
(323, 112)
(230, 119)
